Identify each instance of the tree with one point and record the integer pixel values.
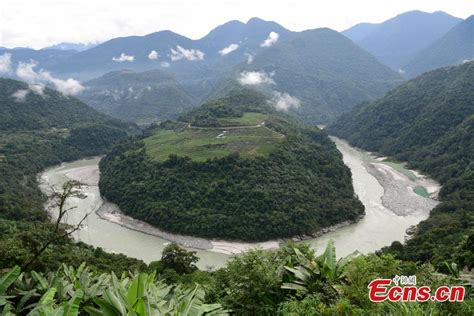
(58, 200)
(178, 259)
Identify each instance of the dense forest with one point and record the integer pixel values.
(43, 129)
(428, 122)
(298, 187)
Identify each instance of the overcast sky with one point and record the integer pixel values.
(39, 23)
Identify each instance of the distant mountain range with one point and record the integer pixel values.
(322, 71)
(79, 47)
(455, 47)
(396, 41)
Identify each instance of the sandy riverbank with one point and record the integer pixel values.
(401, 209)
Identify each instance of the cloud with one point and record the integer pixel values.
(37, 88)
(271, 39)
(189, 54)
(26, 72)
(6, 63)
(20, 95)
(249, 78)
(401, 71)
(123, 58)
(249, 58)
(284, 101)
(229, 49)
(153, 55)
(165, 64)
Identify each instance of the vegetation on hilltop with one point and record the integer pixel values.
(253, 187)
(429, 122)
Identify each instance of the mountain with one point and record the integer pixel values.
(45, 58)
(128, 95)
(455, 47)
(40, 127)
(79, 47)
(397, 40)
(194, 57)
(429, 122)
(234, 168)
(327, 72)
(360, 31)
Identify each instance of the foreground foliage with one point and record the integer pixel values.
(290, 281)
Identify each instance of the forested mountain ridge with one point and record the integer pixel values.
(231, 178)
(132, 96)
(327, 72)
(427, 122)
(453, 48)
(396, 41)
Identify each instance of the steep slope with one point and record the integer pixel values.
(322, 68)
(153, 95)
(397, 40)
(235, 169)
(39, 129)
(455, 47)
(428, 122)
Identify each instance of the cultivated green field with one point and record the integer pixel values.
(248, 119)
(202, 144)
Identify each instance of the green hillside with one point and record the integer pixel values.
(137, 96)
(322, 68)
(279, 178)
(428, 122)
(453, 48)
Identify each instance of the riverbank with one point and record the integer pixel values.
(376, 185)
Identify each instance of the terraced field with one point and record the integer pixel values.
(201, 144)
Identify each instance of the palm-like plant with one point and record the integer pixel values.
(311, 274)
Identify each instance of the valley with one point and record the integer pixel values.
(162, 159)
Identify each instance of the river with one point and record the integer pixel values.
(386, 190)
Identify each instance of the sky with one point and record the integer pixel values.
(40, 23)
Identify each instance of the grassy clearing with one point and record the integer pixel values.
(248, 119)
(203, 144)
(400, 167)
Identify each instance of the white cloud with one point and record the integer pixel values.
(255, 78)
(271, 39)
(165, 64)
(249, 58)
(229, 49)
(401, 71)
(189, 54)
(26, 72)
(284, 101)
(6, 63)
(153, 55)
(123, 57)
(67, 87)
(37, 88)
(20, 95)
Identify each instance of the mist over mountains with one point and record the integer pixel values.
(324, 71)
